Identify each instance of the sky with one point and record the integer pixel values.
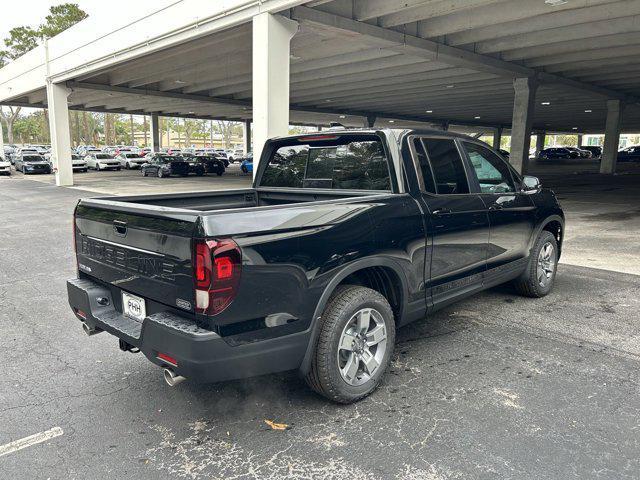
(32, 12)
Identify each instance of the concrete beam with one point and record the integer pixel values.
(522, 16)
(272, 36)
(429, 10)
(613, 125)
(522, 121)
(60, 134)
(431, 50)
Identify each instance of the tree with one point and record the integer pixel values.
(60, 18)
(25, 38)
(9, 119)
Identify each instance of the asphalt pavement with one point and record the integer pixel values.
(497, 386)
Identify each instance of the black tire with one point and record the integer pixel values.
(219, 172)
(324, 376)
(244, 169)
(160, 173)
(528, 283)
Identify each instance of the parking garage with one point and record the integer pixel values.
(512, 68)
(491, 387)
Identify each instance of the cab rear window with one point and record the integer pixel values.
(341, 162)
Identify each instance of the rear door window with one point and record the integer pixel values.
(444, 166)
(342, 162)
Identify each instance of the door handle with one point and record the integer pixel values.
(441, 211)
(496, 206)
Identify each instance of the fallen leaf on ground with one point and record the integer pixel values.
(276, 426)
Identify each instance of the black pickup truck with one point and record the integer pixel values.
(345, 236)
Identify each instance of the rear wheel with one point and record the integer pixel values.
(354, 346)
(538, 279)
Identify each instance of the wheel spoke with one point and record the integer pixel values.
(364, 319)
(370, 362)
(350, 369)
(346, 342)
(375, 336)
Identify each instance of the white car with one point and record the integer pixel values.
(130, 160)
(5, 167)
(78, 163)
(102, 161)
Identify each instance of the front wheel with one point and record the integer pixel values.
(538, 279)
(354, 346)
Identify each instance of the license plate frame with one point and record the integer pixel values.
(134, 307)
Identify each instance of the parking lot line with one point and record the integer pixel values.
(30, 441)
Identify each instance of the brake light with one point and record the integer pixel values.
(216, 269)
(316, 138)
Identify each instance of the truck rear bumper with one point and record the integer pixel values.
(201, 355)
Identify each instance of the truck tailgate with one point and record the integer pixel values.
(137, 252)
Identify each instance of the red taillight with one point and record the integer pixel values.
(81, 314)
(217, 266)
(166, 358)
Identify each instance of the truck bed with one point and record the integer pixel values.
(232, 199)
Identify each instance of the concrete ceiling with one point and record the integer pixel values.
(411, 61)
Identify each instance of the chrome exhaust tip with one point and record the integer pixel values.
(171, 378)
(90, 330)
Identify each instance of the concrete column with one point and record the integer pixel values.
(540, 137)
(246, 136)
(60, 135)
(522, 120)
(1, 141)
(611, 136)
(497, 137)
(271, 50)
(369, 121)
(580, 140)
(155, 132)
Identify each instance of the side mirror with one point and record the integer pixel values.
(530, 184)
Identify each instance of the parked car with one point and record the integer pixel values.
(195, 166)
(596, 152)
(247, 164)
(19, 152)
(78, 163)
(130, 160)
(163, 165)
(343, 238)
(30, 163)
(144, 151)
(629, 154)
(579, 152)
(210, 163)
(5, 167)
(171, 151)
(555, 153)
(102, 161)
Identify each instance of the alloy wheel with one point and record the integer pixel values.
(362, 346)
